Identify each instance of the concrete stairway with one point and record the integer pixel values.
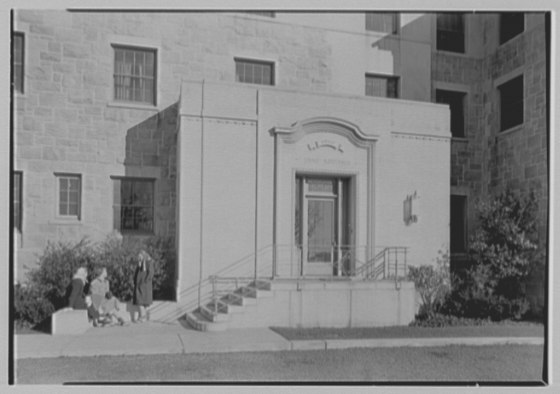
(221, 314)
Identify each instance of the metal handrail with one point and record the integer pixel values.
(389, 263)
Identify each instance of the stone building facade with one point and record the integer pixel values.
(487, 159)
(71, 126)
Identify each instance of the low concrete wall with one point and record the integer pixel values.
(331, 304)
(69, 321)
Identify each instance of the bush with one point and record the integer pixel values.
(432, 283)
(30, 307)
(118, 256)
(443, 320)
(48, 283)
(504, 251)
(55, 269)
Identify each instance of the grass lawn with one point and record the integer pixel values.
(511, 363)
(509, 329)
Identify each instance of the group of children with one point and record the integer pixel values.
(102, 307)
(105, 313)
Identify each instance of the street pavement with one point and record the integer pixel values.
(154, 337)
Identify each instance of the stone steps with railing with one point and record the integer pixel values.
(234, 301)
(216, 314)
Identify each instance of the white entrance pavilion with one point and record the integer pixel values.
(296, 209)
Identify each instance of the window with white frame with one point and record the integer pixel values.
(69, 195)
(133, 205)
(254, 71)
(18, 62)
(450, 32)
(17, 200)
(382, 86)
(385, 22)
(511, 103)
(135, 75)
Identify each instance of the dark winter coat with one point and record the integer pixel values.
(77, 298)
(143, 284)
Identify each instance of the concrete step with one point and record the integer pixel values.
(253, 292)
(210, 315)
(261, 284)
(199, 322)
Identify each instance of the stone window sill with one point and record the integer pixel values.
(66, 221)
(511, 130)
(127, 105)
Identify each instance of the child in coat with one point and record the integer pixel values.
(93, 314)
(109, 308)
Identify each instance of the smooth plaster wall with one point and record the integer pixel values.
(410, 154)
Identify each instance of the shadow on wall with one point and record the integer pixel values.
(405, 55)
(145, 198)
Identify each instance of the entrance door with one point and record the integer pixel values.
(321, 223)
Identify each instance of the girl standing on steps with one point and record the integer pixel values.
(143, 275)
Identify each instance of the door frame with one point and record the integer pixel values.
(343, 198)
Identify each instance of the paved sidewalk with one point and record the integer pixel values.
(172, 338)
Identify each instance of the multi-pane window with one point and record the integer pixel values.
(69, 195)
(382, 86)
(511, 25)
(450, 32)
(17, 200)
(456, 102)
(17, 62)
(386, 22)
(133, 205)
(135, 75)
(511, 103)
(253, 71)
(458, 225)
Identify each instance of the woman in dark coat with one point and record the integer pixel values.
(76, 300)
(143, 275)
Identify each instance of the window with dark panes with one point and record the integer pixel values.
(134, 205)
(17, 200)
(511, 103)
(69, 191)
(456, 102)
(135, 75)
(450, 32)
(382, 86)
(386, 22)
(17, 62)
(254, 71)
(511, 25)
(458, 225)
